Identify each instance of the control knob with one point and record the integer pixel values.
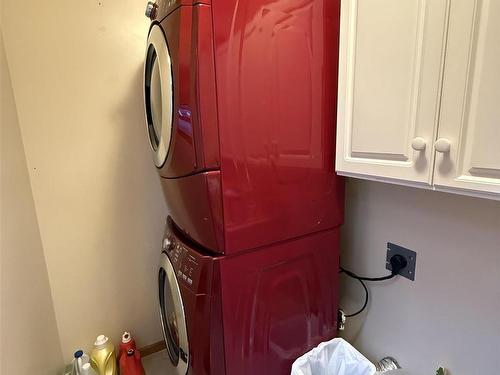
(167, 244)
(150, 10)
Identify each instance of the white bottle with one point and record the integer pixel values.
(80, 358)
(88, 370)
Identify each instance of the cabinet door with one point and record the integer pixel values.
(469, 129)
(390, 70)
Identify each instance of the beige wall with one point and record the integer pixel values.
(450, 315)
(76, 70)
(27, 322)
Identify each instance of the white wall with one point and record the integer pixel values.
(449, 315)
(76, 71)
(27, 321)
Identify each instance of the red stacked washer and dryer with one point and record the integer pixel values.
(240, 99)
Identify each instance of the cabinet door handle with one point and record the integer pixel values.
(418, 144)
(442, 145)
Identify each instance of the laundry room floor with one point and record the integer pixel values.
(156, 364)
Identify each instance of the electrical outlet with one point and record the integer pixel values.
(409, 255)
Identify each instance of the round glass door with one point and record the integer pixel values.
(158, 95)
(172, 317)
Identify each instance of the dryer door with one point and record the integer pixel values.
(158, 95)
(180, 94)
(172, 317)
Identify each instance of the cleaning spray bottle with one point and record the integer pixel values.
(129, 357)
(103, 357)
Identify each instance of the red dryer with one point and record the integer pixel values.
(240, 99)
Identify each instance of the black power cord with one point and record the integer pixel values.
(364, 304)
(398, 262)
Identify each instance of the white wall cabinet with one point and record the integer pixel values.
(419, 93)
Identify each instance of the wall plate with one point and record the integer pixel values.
(411, 258)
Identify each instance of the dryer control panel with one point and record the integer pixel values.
(159, 9)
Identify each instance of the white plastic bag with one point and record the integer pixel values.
(334, 357)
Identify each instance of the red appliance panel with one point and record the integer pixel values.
(276, 64)
(279, 302)
(194, 145)
(195, 205)
(203, 91)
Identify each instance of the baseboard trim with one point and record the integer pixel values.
(153, 348)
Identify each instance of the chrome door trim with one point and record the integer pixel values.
(157, 40)
(182, 366)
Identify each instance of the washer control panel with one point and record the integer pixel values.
(188, 265)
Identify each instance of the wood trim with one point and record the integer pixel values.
(152, 348)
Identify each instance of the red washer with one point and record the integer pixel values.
(249, 313)
(240, 101)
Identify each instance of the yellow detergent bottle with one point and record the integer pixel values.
(103, 357)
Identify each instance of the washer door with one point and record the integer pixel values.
(158, 94)
(172, 317)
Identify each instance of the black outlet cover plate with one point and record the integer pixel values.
(411, 258)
